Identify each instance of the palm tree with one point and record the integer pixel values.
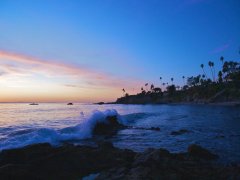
(183, 80)
(202, 66)
(222, 59)
(163, 84)
(146, 86)
(213, 72)
(220, 79)
(123, 91)
(211, 64)
(152, 87)
(172, 80)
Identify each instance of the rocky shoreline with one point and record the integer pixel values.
(104, 161)
(43, 161)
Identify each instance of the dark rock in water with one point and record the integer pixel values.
(70, 104)
(33, 104)
(220, 136)
(155, 128)
(100, 103)
(144, 128)
(198, 151)
(110, 127)
(180, 132)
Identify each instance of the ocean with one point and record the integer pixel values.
(216, 128)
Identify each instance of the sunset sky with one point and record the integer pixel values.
(87, 51)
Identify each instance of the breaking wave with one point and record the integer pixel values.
(54, 137)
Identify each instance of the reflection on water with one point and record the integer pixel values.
(214, 127)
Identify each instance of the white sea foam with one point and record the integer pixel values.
(81, 131)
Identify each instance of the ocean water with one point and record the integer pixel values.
(214, 127)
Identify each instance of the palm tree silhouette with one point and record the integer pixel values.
(183, 80)
(211, 64)
(160, 80)
(213, 72)
(220, 79)
(202, 66)
(123, 91)
(146, 86)
(172, 80)
(163, 84)
(152, 87)
(222, 59)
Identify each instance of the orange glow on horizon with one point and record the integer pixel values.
(30, 79)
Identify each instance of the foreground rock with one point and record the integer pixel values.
(42, 161)
(197, 151)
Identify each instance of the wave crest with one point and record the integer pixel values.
(80, 131)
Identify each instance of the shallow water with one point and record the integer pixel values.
(214, 127)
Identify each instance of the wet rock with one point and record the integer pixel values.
(42, 161)
(220, 136)
(198, 151)
(161, 164)
(155, 128)
(105, 145)
(144, 128)
(149, 156)
(110, 127)
(180, 132)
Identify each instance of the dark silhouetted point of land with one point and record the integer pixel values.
(221, 89)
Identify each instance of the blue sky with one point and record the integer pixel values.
(130, 40)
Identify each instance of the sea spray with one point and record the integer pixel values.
(54, 137)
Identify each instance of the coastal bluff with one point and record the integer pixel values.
(223, 97)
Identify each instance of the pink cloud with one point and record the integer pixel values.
(220, 48)
(28, 64)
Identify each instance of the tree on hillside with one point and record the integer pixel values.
(172, 80)
(123, 90)
(211, 65)
(220, 79)
(146, 86)
(183, 77)
(222, 60)
(152, 87)
(202, 66)
(157, 90)
(171, 89)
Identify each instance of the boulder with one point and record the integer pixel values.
(110, 127)
(155, 128)
(199, 152)
(180, 132)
